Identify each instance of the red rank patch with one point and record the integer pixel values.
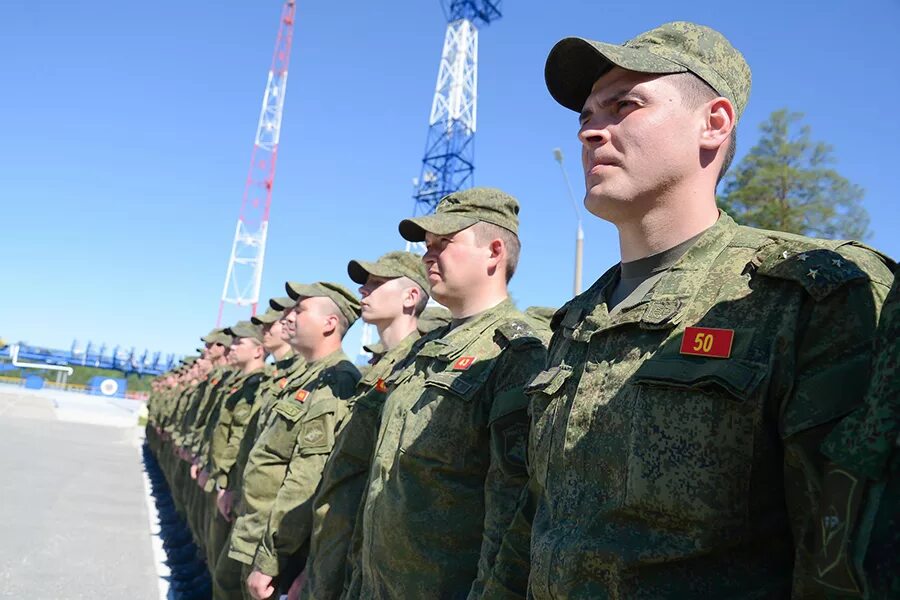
(233, 390)
(707, 341)
(301, 396)
(215, 382)
(463, 363)
(380, 385)
(283, 382)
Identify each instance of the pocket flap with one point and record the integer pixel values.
(737, 377)
(455, 382)
(320, 407)
(550, 381)
(288, 409)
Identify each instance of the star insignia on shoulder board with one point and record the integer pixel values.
(837, 262)
(812, 273)
(802, 257)
(784, 254)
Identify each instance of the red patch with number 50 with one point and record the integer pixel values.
(380, 385)
(707, 341)
(301, 396)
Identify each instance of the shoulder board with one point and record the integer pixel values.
(519, 333)
(819, 270)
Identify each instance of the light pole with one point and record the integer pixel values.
(579, 235)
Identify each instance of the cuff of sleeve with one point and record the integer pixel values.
(265, 563)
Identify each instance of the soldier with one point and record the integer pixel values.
(228, 574)
(248, 355)
(393, 297)
(675, 433)
(450, 458)
(859, 554)
(286, 463)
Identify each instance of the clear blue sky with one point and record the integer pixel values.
(127, 129)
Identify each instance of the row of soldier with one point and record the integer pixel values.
(698, 423)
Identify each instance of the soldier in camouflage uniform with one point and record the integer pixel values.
(449, 462)
(286, 463)
(262, 475)
(393, 297)
(859, 552)
(228, 573)
(237, 410)
(675, 437)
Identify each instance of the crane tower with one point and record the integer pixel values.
(449, 161)
(248, 250)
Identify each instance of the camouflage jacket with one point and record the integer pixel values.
(859, 554)
(449, 463)
(337, 502)
(311, 420)
(238, 410)
(265, 466)
(674, 448)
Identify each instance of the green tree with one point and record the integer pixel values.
(787, 182)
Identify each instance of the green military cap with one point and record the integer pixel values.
(245, 329)
(210, 337)
(346, 302)
(282, 303)
(460, 210)
(188, 360)
(391, 265)
(268, 317)
(432, 318)
(217, 336)
(575, 64)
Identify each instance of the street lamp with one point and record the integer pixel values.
(579, 235)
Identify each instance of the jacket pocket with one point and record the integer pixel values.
(690, 450)
(545, 394)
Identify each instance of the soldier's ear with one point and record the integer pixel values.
(330, 325)
(719, 121)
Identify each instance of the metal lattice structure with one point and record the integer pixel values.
(248, 250)
(449, 161)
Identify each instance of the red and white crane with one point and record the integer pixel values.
(248, 251)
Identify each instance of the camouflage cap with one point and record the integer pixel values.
(432, 318)
(282, 303)
(390, 266)
(217, 336)
(460, 210)
(245, 329)
(346, 302)
(268, 317)
(188, 360)
(575, 64)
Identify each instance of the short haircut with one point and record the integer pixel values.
(343, 325)
(422, 303)
(694, 92)
(485, 233)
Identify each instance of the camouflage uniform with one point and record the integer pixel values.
(449, 462)
(674, 450)
(660, 469)
(337, 503)
(311, 422)
(860, 552)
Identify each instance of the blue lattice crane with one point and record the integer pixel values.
(449, 161)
